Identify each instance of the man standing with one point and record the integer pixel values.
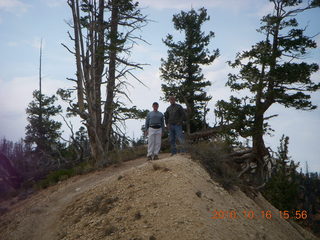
(154, 127)
(174, 117)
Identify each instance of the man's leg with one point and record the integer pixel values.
(151, 142)
(157, 144)
(173, 139)
(180, 137)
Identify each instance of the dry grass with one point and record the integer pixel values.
(101, 205)
(127, 154)
(115, 157)
(137, 215)
(110, 230)
(214, 158)
(157, 167)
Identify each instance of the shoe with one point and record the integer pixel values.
(155, 157)
(149, 158)
(172, 154)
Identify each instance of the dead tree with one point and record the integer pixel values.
(103, 36)
(8, 173)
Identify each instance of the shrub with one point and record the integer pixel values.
(55, 177)
(85, 167)
(213, 156)
(127, 154)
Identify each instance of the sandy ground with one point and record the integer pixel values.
(171, 198)
(38, 217)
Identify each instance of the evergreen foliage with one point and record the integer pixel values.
(181, 71)
(42, 130)
(282, 188)
(309, 200)
(291, 191)
(273, 71)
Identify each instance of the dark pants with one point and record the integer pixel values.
(175, 132)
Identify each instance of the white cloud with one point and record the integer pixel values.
(234, 5)
(36, 43)
(13, 6)
(15, 95)
(317, 39)
(263, 9)
(54, 3)
(148, 54)
(12, 44)
(303, 129)
(217, 74)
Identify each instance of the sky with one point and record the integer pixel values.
(23, 23)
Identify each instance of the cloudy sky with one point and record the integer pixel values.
(23, 23)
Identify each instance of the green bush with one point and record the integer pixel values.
(83, 168)
(54, 177)
(283, 187)
(86, 167)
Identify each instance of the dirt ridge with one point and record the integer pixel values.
(172, 198)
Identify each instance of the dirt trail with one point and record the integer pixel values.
(38, 216)
(171, 199)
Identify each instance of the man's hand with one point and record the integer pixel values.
(146, 133)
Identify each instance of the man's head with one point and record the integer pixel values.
(172, 99)
(155, 106)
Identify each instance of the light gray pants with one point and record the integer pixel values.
(154, 141)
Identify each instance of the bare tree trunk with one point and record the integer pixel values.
(89, 53)
(98, 146)
(40, 145)
(97, 40)
(259, 148)
(78, 51)
(109, 105)
(188, 116)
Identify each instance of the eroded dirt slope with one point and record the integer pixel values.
(172, 198)
(38, 216)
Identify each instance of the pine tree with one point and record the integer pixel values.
(181, 71)
(282, 188)
(273, 72)
(42, 130)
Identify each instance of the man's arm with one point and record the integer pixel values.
(166, 116)
(182, 114)
(162, 122)
(146, 125)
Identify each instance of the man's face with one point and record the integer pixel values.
(172, 100)
(155, 107)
